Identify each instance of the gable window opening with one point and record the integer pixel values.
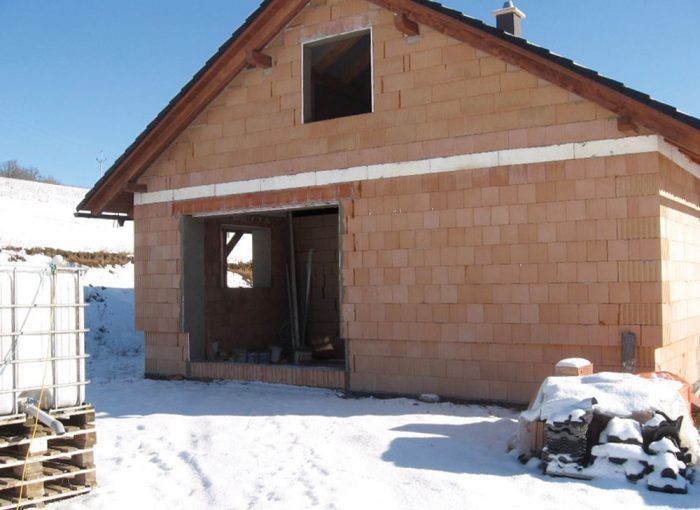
(338, 77)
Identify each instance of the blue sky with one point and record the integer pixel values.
(81, 76)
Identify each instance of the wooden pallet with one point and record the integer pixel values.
(54, 467)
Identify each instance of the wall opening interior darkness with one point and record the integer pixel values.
(338, 77)
(247, 304)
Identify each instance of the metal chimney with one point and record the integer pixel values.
(510, 19)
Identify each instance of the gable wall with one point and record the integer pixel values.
(434, 96)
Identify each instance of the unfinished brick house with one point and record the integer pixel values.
(463, 209)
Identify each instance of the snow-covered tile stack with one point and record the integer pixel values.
(566, 442)
(631, 427)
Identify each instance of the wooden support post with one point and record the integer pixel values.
(258, 59)
(406, 26)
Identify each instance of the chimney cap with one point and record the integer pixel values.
(509, 8)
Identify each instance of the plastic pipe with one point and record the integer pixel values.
(30, 408)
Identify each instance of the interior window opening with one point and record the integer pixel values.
(238, 248)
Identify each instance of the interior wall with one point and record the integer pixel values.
(245, 318)
(319, 232)
(193, 316)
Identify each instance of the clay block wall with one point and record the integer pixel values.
(245, 318)
(474, 284)
(320, 233)
(157, 288)
(433, 96)
(680, 249)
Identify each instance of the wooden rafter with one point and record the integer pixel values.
(345, 89)
(338, 49)
(258, 59)
(351, 72)
(405, 25)
(134, 187)
(237, 236)
(627, 126)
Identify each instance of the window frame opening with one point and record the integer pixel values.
(343, 43)
(260, 263)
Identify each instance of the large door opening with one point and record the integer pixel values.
(261, 302)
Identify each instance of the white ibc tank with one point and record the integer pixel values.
(42, 337)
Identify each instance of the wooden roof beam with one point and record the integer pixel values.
(257, 59)
(134, 187)
(627, 126)
(406, 26)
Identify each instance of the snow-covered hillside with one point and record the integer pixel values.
(34, 214)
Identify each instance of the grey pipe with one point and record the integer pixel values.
(31, 408)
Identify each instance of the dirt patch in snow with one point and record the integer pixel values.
(81, 258)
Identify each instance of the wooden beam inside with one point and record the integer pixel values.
(233, 242)
(258, 59)
(405, 25)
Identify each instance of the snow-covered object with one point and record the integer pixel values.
(654, 421)
(616, 394)
(657, 482)
(573, 363)
(43, 216)
(560, 410)
(620, 451)
(663, 445)
(622, 430)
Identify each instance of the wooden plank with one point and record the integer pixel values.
(50, 474)
(57, 492)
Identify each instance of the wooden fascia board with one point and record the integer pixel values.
(683, 135)
(213, 80)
